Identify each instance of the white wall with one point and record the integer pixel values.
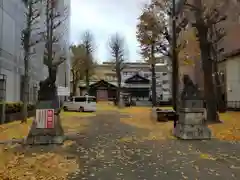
(11, 25)
(233, 79)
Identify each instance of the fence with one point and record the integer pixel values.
(233, 105)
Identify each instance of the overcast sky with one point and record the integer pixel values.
(106, 17)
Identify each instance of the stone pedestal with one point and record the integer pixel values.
(191, 124)
(157, 115)
(53, 135)
(121, 103)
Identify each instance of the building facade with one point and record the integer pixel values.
(12, 22)
(136, 79)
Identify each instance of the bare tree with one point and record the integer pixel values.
(54, 19)
(76, 65)
(118, 50)
(32, 15)
(88, 62)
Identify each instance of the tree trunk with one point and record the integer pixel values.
(207, 65)
(217, 83)
(87, 80)
(119, 80)
(74, 88)
(25, 98)
(26, 41)
(154, 98)
(175, 74)
(218, 90)
(118, 94)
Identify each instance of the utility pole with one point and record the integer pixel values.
(175, 78)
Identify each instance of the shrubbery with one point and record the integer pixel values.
(14, 107)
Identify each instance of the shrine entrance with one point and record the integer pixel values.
(137, 86)
(103, 90)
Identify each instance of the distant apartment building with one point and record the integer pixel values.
(136, 80)
(12, 22)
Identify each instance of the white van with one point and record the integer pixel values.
(81, 104)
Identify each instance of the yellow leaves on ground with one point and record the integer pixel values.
(74, 125)
(207, 156)
(77, 114)
(14, 130)
(71, 122)
(45, 166)
(106, 106)
(140, 117)
(230, 128)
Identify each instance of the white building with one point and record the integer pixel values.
(105, 72)
(229, 70)
(12, 22)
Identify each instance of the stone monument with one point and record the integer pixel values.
(121, 103)
(47, 128)
(191, 122)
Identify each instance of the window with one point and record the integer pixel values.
(146, 75)
(165, 90)
(3, 87)
(165, 81)
(80, 99)
(158, 75)
(164, 73)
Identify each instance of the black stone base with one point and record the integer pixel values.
(45, 140)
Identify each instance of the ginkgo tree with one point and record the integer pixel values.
(51, 37)
(78, 52)
(206, 15)
(155, 39)
(88, 63)
(117, 48)
(32, 14)
(82, 62)
(148, 35)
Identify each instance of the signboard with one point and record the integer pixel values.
(63, 91)
(44, 118)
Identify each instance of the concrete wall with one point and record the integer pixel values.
(233, 78)
(12, 22)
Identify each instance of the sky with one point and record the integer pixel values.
(105, 18)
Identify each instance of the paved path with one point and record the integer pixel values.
(103, 154)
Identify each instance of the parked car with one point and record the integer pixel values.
(81, 104)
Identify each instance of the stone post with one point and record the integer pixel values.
(191, 123)
(43, 133)
(121, 103)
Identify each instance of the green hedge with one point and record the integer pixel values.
(14, 107)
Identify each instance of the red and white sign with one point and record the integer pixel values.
(44, 118)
